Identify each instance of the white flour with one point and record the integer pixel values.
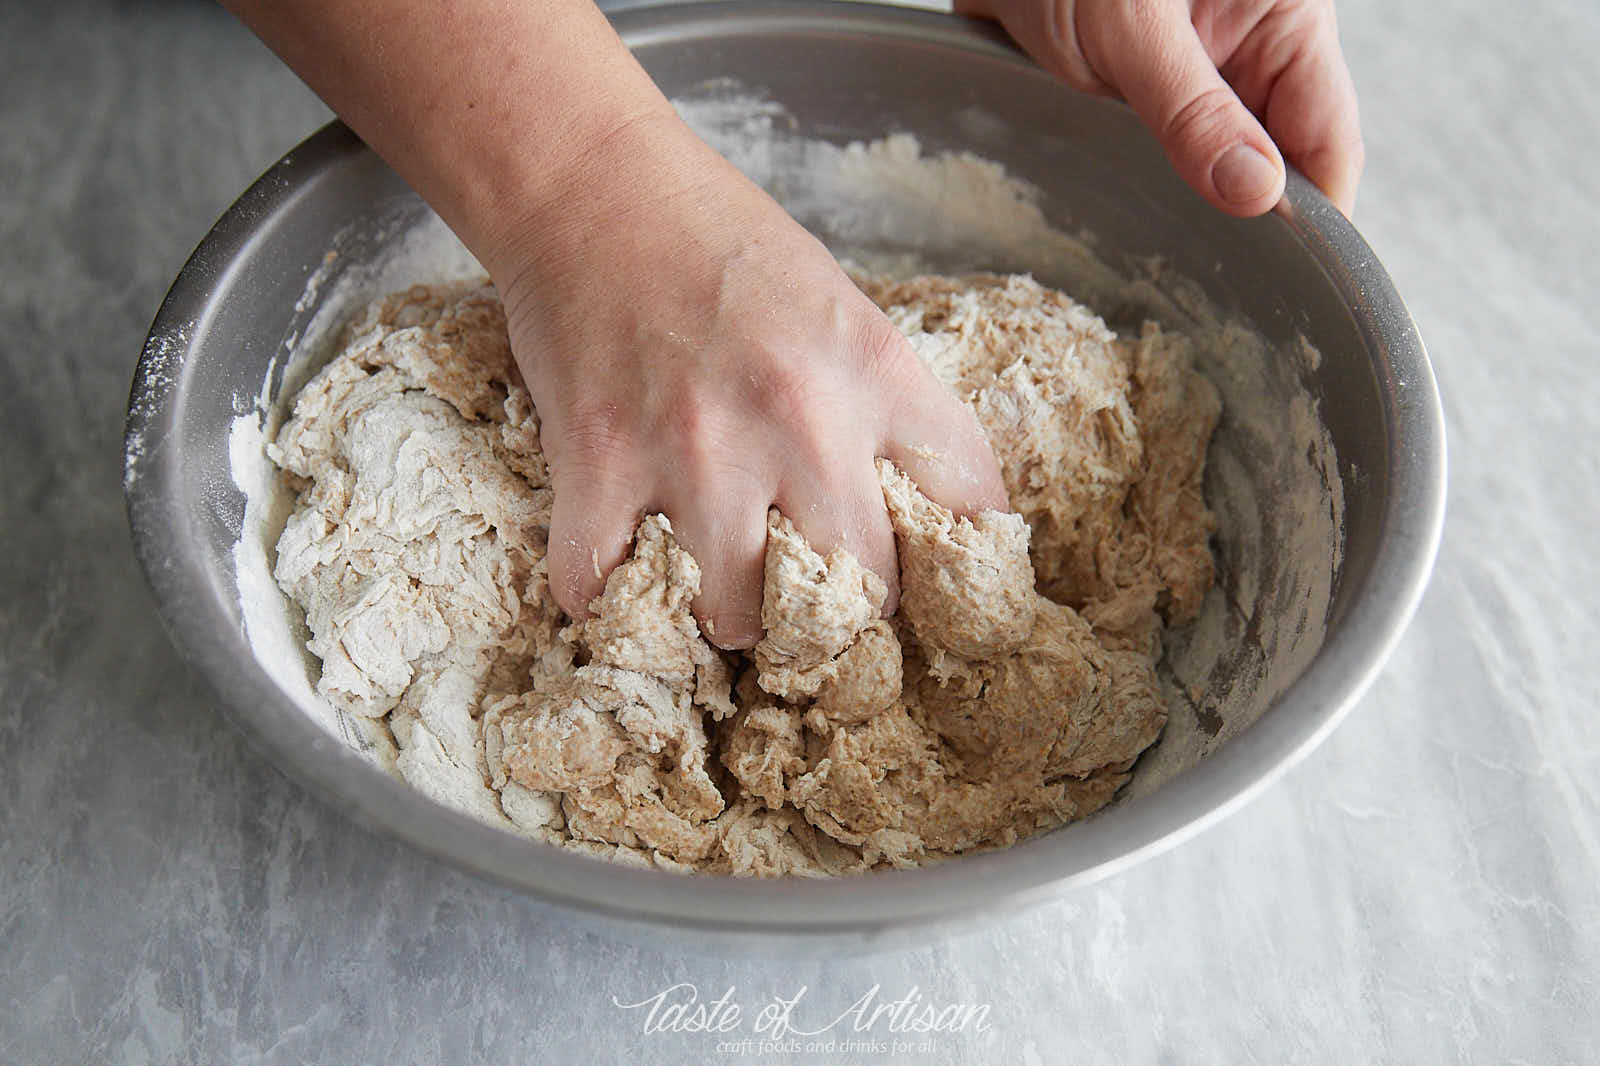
(890, 208)
(1272, 475)
(424, 251)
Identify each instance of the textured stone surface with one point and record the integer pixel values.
(1421, 890)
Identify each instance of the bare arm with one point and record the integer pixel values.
(490, 109)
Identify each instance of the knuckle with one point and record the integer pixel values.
(687, 419)
(881, 351)
(595, 438)
(1066, 47)
(801, 409)
(810, 447)
(703, 444)
(1201, 117)
(1140, 22)
(783, 386)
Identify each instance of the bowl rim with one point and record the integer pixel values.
(194, 604)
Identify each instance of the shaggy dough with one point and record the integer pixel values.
(1012, 691)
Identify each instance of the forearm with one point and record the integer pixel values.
(491, 109)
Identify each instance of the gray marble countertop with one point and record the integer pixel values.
(1421, 890)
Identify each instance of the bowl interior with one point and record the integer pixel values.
(1326, 471)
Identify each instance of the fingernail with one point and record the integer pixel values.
(1243, 174)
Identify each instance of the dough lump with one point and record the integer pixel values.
(1012, 691)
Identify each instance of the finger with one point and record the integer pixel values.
(1311, 111)
(1213, 140)
(726, 532)
(1047, 31)
(937, 441)
(840, 505)
(592, 523)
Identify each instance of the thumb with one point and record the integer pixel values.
(1150, 53)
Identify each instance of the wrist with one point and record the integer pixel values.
(625, 162)
(645, 214)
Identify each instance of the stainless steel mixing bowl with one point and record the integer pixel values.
(845, 72)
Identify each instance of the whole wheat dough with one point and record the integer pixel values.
(1012, 691)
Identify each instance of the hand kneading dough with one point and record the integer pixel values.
(1012, 691)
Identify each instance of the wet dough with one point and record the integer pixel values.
(1012, 691)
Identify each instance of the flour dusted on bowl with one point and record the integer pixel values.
(1011, 692)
